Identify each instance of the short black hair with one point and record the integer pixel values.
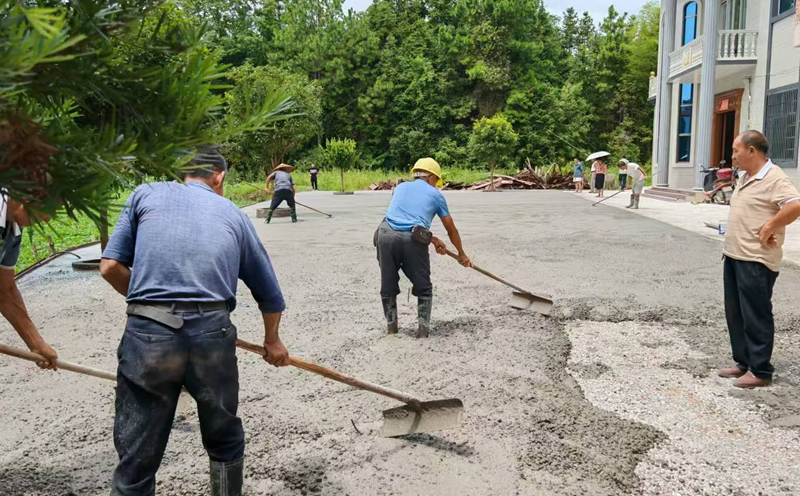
(206, 161)
(756, 140)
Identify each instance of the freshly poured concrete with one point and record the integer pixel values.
(529, 427)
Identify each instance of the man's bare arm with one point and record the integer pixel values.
(455, 238)
(117, 274)
(12, 306)
(277, 354)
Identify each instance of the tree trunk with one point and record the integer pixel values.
(103, 229)
(342, 170)
(492, 165)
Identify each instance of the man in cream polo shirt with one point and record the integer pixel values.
(764, 203)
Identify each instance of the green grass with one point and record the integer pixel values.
(67, 233)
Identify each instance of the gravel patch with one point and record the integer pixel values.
(719, 443)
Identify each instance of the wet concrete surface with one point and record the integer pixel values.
(529, 428)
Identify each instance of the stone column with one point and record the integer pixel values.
(705, 114)
(664, 93)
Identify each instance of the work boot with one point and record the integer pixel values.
(424, 307)
(227, 478)
(390, 312)
(293, 213)
(731, 372)
(632, 199)
(636, 202)
(750, 381)
(269, 216)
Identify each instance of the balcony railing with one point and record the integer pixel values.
(732, 45)
(736, 44)
(686, 57)
(651, 91)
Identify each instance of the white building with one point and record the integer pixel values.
(725, 66)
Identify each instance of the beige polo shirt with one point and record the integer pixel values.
(756, 200)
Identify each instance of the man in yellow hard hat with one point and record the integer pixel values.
(402, 241)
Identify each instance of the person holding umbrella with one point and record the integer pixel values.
(284, 190)
(600, 169)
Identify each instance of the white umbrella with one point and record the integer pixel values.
(597, 155)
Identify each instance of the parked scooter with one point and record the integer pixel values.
(719, 184)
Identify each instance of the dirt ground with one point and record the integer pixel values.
(574, 404)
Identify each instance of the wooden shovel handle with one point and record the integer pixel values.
(314, 209)
(332, 374)
(489, 274)
(72, 367)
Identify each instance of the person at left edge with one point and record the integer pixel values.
(13, 217)
(176, 253)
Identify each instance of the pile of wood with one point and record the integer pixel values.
(528, 178)
(382, 186)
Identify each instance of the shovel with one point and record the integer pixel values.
(521, 299)
(297, 202)
(606, 198)
(414, 416)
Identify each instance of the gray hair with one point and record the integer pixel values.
(206, 162)
(756, 140)
(422, 175)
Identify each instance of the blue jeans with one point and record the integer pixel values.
(155, 362)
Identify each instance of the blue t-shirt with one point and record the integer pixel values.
(578, 170)
(415, 204)
(186, 243)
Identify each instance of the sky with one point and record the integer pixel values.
(597, 8)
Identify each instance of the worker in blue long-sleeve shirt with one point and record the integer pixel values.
(176, 254)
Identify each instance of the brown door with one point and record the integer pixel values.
(727, 107)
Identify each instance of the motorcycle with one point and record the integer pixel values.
(719, 184)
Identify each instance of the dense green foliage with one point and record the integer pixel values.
(94, 94)
(409, 78)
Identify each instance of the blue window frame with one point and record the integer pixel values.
(689, 22)
(685, 122)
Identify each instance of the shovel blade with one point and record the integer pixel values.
(526, 301)
(428, 416)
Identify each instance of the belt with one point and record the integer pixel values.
(164, 312)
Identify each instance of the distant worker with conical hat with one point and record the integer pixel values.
(284, 190)
(402, 242)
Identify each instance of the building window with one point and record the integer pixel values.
(781, 126)
(690, 22)
(781, 7)
(685, 123)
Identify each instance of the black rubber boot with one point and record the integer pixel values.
(636, 202)
(390, 312)
(293, 213)
(633, 197)
(424, 307)
(269, 216)
(227, 478)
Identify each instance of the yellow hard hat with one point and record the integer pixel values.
(428, 164)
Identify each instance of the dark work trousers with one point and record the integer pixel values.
(280, 196)
(155, 361)
(623, 181)
(397, 251)
(748, 309)
(314, 182)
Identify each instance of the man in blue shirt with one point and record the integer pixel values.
(176, 254)
(402, 243)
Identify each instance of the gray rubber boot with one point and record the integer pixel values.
(293, 213)
(636, 202)
(424, 308)
(269, 216)
(227, 478)
(390, 312)
(632, 200)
